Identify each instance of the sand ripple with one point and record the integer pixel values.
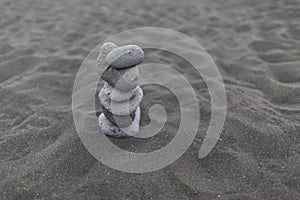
(256, 45)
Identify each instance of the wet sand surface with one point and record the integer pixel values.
(256, 45)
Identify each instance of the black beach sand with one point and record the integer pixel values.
(256, 45)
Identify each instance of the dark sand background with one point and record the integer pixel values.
(256, 45)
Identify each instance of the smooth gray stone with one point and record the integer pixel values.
(123, 80)
(125, 56)
(104, 50)
(117, 95)
(123, 107)
(110, 129)
(119, 120)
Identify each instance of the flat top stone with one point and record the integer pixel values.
(125, 57)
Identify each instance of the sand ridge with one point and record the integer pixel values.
(256, 46)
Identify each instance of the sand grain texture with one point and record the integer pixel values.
(256, 45)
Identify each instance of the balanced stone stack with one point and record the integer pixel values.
(120, 96)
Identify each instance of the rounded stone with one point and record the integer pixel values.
(104, 50)
(107, 47)
(125, 56)
(123, 107)
(119, 120)
(110, 129)
(117, 95)
(123, 80)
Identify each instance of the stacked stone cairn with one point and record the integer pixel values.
(120, 96)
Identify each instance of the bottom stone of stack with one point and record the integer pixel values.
(119, 120)
(110, 129)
